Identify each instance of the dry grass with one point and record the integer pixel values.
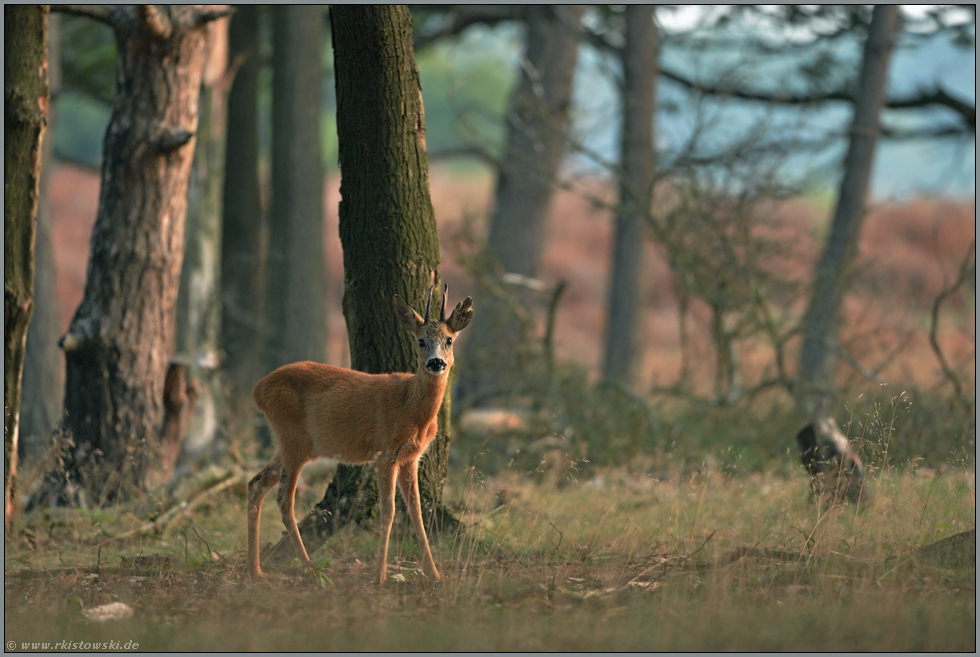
(622, 561)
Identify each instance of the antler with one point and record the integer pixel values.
(445, 294)
(428, 302)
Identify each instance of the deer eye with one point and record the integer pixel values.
(449, 342)
(421, 344)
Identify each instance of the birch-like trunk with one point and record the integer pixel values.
(537, 122)
(639, 57)
(822, 319)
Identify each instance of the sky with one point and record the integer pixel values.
(902, 170)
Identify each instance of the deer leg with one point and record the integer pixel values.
(286, 498)
(408, 481)
(258, 487)
(386, 489)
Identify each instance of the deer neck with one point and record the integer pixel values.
(425, 395)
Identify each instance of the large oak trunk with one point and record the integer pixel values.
(121, 337)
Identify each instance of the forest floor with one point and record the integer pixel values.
(623, 561)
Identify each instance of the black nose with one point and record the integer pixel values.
(435, 365)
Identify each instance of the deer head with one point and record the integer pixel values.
(435, 337)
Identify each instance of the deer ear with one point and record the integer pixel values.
(461, 315)
(407, 317)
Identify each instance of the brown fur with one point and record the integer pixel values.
(320, 410)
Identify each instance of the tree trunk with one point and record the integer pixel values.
(639, 57)
(296, 296)
(25, 110)
(44, 373)
(44, 368)
(820, 324)
(198, 309)
(121, 337)
(242, 267)
(537, 122)
(179, 402)
(388, 232)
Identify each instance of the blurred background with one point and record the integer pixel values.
(741, 161)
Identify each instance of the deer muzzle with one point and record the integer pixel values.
(436, 365)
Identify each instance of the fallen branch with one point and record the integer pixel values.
(732, 556)
(174, 512)
(955, 549)
(122, 571)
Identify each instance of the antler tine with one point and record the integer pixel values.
(445, 294)
(428, 302)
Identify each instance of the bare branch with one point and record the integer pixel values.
(468, 16)
(474, 151)
(171, 140)
(228, 77)
(548, 342)
(867, 373)
(158, 23)
(922, 98)
(938, 96)
(598, 41)
(937, 132)
(202, 17)
(81, 335)
(966, 272)
(101, 13)
(762, 96)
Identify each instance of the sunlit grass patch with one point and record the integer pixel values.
(620, 560)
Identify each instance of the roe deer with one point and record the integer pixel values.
(387, 419)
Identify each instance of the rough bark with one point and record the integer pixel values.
(198, 302)
(25, 110)
(537, 120)
(44, 368)
(242, 268)
(296, 295)
(821, 322)
(639, 57)
(121, 337)
(389, 237)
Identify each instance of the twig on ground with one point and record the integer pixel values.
(165, 518)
